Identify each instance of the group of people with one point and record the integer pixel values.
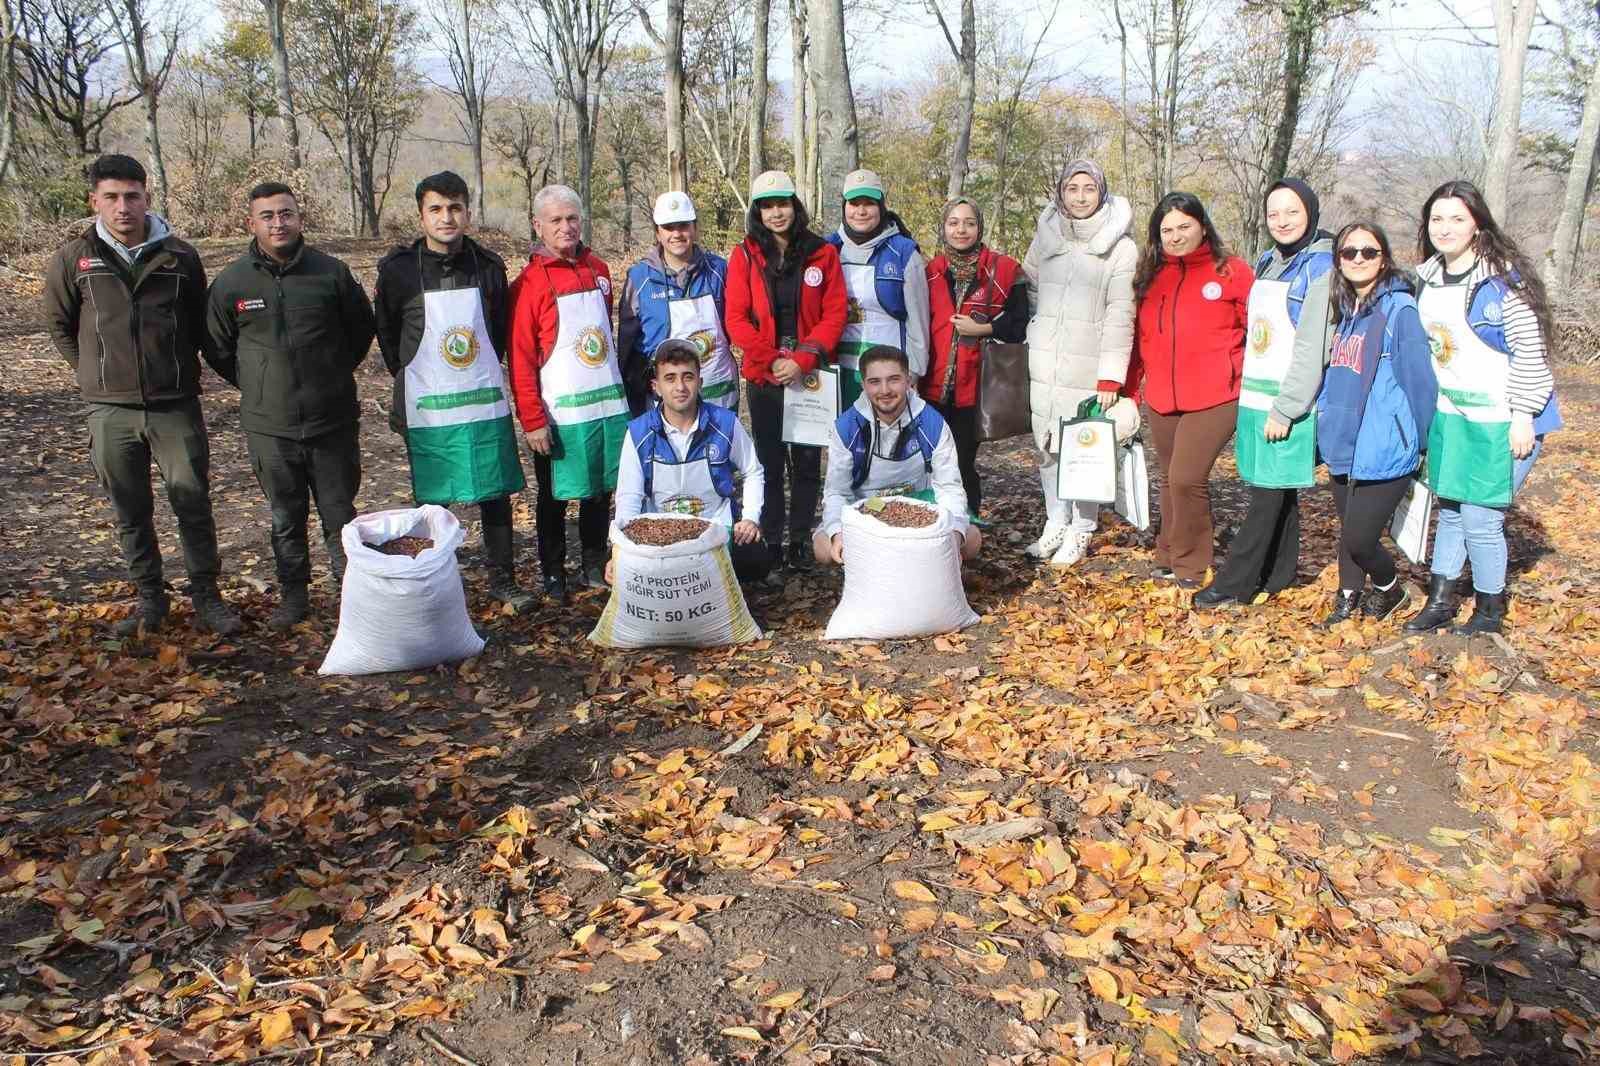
(1302, 363)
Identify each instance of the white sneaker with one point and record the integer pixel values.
(1074, 546)
(1054, 533)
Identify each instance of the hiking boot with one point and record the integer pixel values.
(1346, 604)
(1488, 614)
(500, 549)
(211, 613)
(1383, 603)
(294, 606)
(148, 614)
(504, 588)
(594, 570)
(1440, 610)
(799, 557)
(555, 586)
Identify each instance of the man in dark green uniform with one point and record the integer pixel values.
(125, 305)
(290, 325)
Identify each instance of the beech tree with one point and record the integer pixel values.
(149, 36)
(1513, 25)
(277, 35)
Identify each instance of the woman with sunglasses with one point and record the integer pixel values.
(1488, 322)
(1373, 414)
(1080, 266)
(1192, 298)
(974, 293)
(1275, 444)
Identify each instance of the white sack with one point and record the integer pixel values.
(680, 595)
(400, 613)
(899, 582)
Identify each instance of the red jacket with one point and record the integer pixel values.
(996, 275)
(754, 331)
(1190, 340)
(534, 321)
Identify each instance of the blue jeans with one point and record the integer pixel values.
(1468, 531)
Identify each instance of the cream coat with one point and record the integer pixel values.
(1080, 282)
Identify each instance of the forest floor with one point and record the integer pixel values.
(1094, 828)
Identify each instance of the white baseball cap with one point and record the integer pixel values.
(771, 184)
(859, 183)
(673, 207)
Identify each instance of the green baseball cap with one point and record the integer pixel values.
(863, 183)
(771, 185)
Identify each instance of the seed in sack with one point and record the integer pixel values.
(660, 532)
(412, 546)
(901, 513)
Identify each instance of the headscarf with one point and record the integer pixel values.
(1082, 166)
(1313, 208)
(963, 265)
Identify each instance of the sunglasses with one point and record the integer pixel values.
(1350, 255)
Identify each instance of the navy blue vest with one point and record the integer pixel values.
(712, 441)
(923, 433)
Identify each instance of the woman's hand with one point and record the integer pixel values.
(1521, 435)
(1107, 398)
(785, 370)
(968, 326)
(1275, 429)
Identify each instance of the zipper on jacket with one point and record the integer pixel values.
(1183, 272)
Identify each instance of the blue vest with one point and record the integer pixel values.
(1486, 316)
(889, 261)
(923, 433)
(1307, 266)
(707, 274)
(712, 441)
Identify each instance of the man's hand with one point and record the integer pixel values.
(1275, 429)
(611, 571)
(785, 370)
(1521, 435)
(837, 548)
(746, 532)
(538, 440)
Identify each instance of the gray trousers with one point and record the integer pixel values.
(122, 443)
(294, 472)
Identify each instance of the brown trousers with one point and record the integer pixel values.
(1187, 446)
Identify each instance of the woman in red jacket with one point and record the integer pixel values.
(786, 309)
(1192, 299)
(974, 293)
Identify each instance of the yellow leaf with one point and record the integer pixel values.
(276, 1028)
(598, 987)
(915, 891)
(672, 763)
(1102, 982)
(743, 1032)
(927, 767)
(932, 823)
(785, 1000)
(582, 936)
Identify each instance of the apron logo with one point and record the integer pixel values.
(813, 276)
(459, 347)
(854, 314)
(689, 505)
(1087, 437)
(1211, 291)
(893, 490)
(249, 305)
(812, 381)
(1260, 336)
(1441, 344)
(591, 347)
(704, 344)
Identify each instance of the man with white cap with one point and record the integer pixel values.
(676, 292)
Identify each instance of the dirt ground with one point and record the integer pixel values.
(1095, 828)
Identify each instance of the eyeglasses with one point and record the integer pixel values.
(1350, 255)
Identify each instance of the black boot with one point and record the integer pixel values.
(211, 612)
(1212, 597)
(594, 569)
(1440, 610)
(147, 616)
(1488, 614)
(294, 605)
(1345, 605)
(499, 547)
(1383, 603)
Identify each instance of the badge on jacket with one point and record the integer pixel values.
(813, 276)
(1211, 291)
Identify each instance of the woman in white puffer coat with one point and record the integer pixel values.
(1080, 270)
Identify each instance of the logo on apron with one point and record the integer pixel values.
(1087, 436)
(459, 347)
(704, 344)
(591, 347)
(1260, 336)
(892, 490)
(689, 505)
(1441, 344)
(854, 315)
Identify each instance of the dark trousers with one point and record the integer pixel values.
(800, 463)
(1266, 549)
(1187, 446)
(594, 521)
(751, 562)
(1365, 508)
(122, 442)
(292, 473)
(963, 423)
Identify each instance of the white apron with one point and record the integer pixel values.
(1269, 347)
(1469, 443)
(458, 417)
(866, 326)
(686, 487)
(695, 319)
(583, 391)
(892, 477)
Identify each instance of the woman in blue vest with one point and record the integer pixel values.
(886, 282)
(1286, 345)
(1373, 413)
(1488, 323)
(676, 291)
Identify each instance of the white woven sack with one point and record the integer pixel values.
(680, 595)
(399, 613)
(899, 582)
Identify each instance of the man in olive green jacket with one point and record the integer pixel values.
(124, 303)
(290, 325)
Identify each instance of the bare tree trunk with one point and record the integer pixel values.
(135, 25)
(625, 175)
(1580, 183)
(966, 98)
(8, 87)
(677, 148)
(581, 115)
(799, 83)
(250, 116)
(757, 130)
(1122, 52)
(1300, 35)
(838, 149)
(280, 77)
(1513, 24)
(1169, 108)
(152, 140)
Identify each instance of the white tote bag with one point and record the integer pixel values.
(676, 595)
(899, 582)
(1133, 486)
(1412, 520)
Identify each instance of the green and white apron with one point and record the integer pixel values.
(1290, 463)
(695, 319)
(458, 418)
(1469, 443)
(687, 488)
(897, 477)
(582, 389)
(867, 326)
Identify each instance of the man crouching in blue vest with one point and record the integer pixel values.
(682, 456)
(890, 443)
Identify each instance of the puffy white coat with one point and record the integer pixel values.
(1080, 282)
